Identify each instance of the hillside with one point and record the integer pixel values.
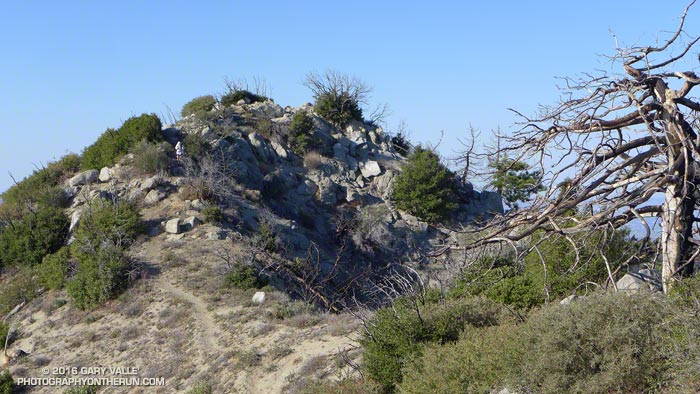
(318, 226)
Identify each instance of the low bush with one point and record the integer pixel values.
(116, 222)
(7, 384)
(213, 214)
(201, 387)
(345, 386)
(396, 334)
(313, 160)
(150, 158)
(425, 187)
(300, 133)
(114, 143)
(42, 185)
(105, 229)
(19, 286)
(234, 96)
(266, 238)
(338, 109)
(54, 268)
(401, 144)
(245, 277)
(198, 105)
(99, 277)
(526, 283)
(196, 146)
(27, 240)
(4, 332)
(608, 343)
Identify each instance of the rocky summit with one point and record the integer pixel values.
(253, 248)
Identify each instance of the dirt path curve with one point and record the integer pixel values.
(209, 331)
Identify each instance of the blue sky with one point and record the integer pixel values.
(71, 69)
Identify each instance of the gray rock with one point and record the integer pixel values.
(328, 191)
(99, 194)
(126, 159)
(643, 280)
(258, 297)
(266, 109)
(491, 202)
(284, 119)
(84, 178)
(262, 147)
(383, 184)
(340, 152)
(172, 226)
(415, 224)
(216, 234)
(154, 196)
(568, 300)
(351, 195)
(71, 191)
(308, 188)
(135, 195)
(151, 183)
(190, 223)
(370, 168)
(279, 149)
(75, 219)
(105, 174)
(197, 205)
(243, 101)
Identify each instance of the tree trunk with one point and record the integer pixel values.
(676, 225)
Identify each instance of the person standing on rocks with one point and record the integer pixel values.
(179, 151)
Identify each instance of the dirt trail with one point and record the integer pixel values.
(203, 318)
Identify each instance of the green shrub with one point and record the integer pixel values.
(7, 384)
(300, 130)
(527, 284)
(290, 309)
(19, 286)
(27, 240)
(611, 343)
(235, 96)
(4, 332)
(70, 163)
(201, 388)
(150, 158)
(99, 277)
(266, 238)
(600, 345)
(213, 214)
(114, 143)
(396, 334)
(425, 187)
(513, 181)
(198, 105)
(478, 363)
(686, 293)
(104, 230)
(401, 144)
(244, 276)
(43, 185)
(345, 386)
(54, 268)
(117, 222)
(339, 109)
(196, 146)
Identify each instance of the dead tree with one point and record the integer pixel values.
(614, 145)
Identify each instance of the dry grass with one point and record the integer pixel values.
(313, 160)
(342, 324)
